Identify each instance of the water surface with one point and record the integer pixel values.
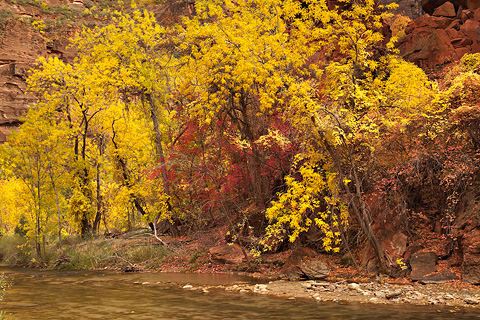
(106, 295)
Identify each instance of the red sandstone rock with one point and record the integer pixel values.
(430, 5)
(422, 263)
(445, 10)
(229, 254)
(427, 47)
(461, 42)
(430, 22)
(471, 30)
(436, 40)
(460, 52)
(476, 15)
(472, 4)
(467, 230)
(452, 33)
(471, 256)
(465, 15)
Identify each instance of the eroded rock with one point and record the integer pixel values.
(315, 269)
(445, 10)
(422, 263)
(439, 277)
(451, 32)
(229, 254)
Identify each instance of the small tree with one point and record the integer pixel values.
(35, 155)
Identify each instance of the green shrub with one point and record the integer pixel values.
(5, 15)
(15, 250)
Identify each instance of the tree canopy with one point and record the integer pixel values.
(277, 114)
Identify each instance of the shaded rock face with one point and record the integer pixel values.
(429, 6)
(467, 229)
(409, 8)
(442, 38)
(229, 254)
(422, 264)
(20, 46)
(315, 269)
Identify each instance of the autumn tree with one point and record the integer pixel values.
(250, 60)
(134, 54)
(360, 92)
(237, 69)
(34, 155)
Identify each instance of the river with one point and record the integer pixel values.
(74, 295)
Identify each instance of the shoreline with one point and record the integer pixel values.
(455, 294)
(448, 294)
(343, 284)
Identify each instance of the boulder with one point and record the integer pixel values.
(453, 34)
(461, 42)
(476, 15)
(77, 5)
(471, 256)
(471, 30)
(435, 40)
(438, 277)
(465, 15)
(228, 254)
(314, 269)
(445, 10)
(422, 264)
(292, 265)
(428, 21)
(460, 52)
(472, 4)
(427, 47)
(429, 6)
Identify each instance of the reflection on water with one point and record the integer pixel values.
(104, 295)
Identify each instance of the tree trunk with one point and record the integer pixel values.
(360, 209)
(98, 216)
(59, 213)
(161, 158)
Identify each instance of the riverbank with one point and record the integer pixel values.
(455, 295)
(140, 253)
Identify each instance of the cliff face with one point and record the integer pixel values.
(20, 46)
(22, 42)
(19, 49)
(452, 31)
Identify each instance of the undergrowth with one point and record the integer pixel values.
(78, 253)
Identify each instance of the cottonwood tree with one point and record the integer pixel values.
(251, 59)
(360, 91)
(134, 54)
(237, 67)
(34, 155)
(80, 96)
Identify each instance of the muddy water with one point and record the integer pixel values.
(106, 295)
